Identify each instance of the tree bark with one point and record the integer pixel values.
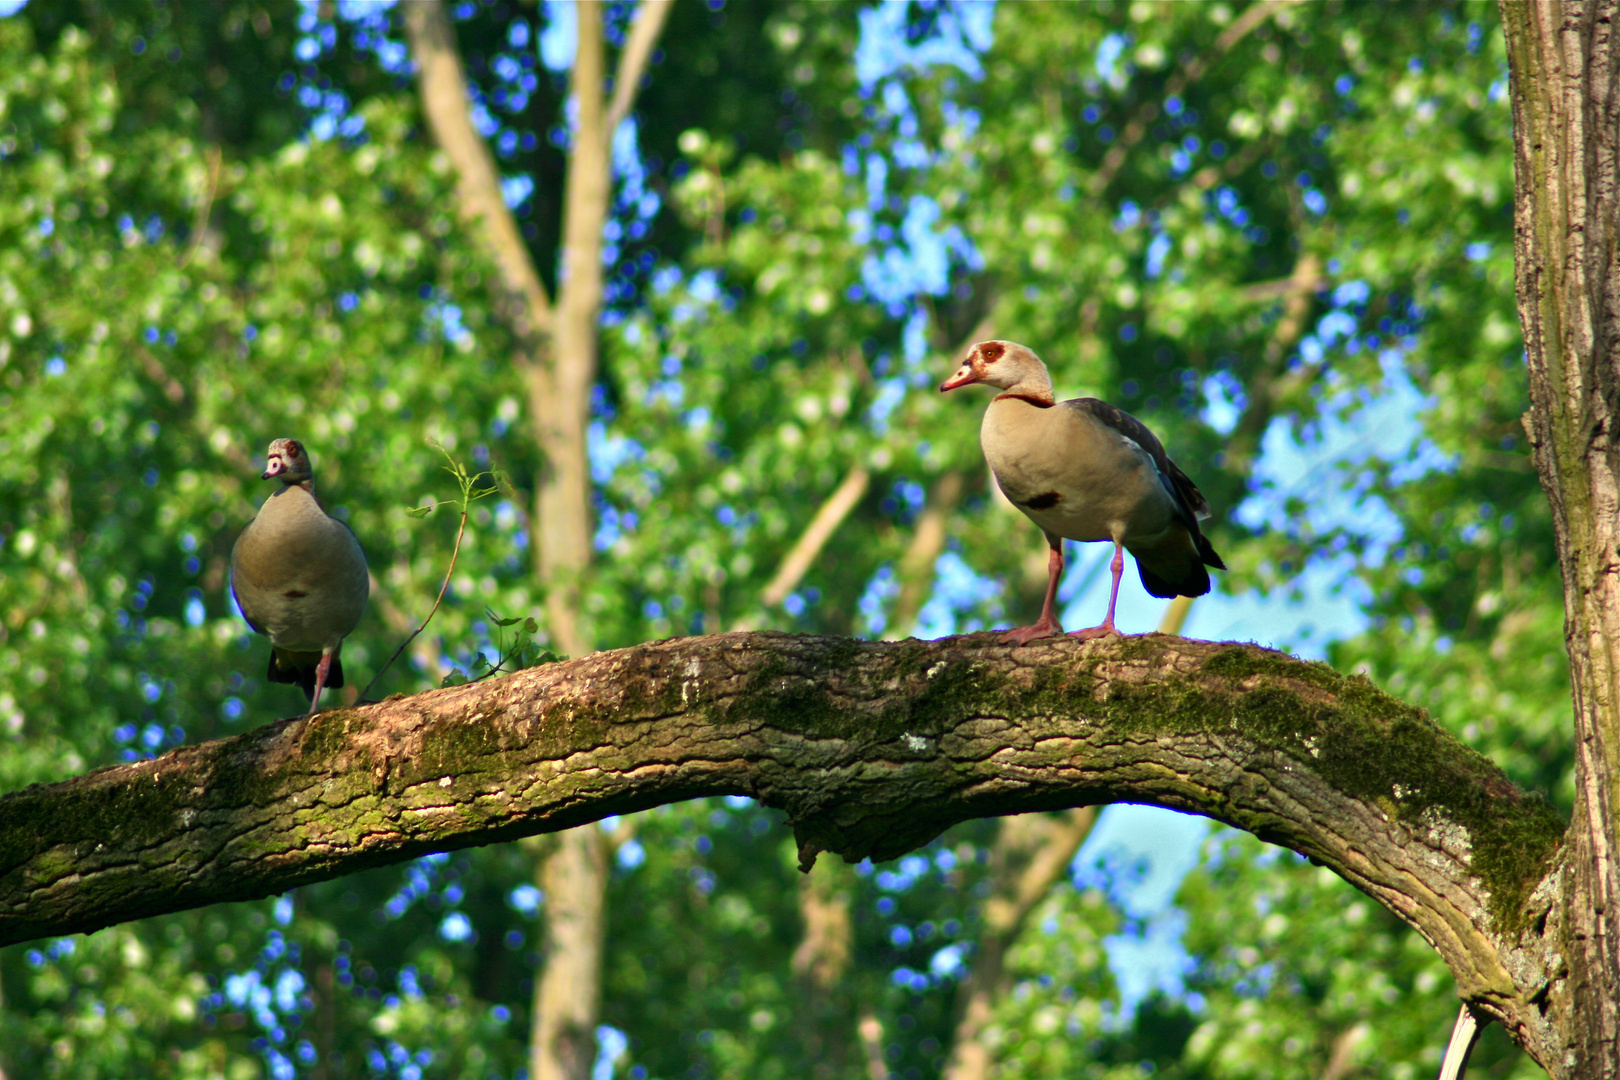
(1566, 112)
(872, 749)
(568, 997)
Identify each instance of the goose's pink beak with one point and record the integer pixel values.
(964, 375)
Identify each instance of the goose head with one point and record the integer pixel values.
(1005, 365)
(287, 461)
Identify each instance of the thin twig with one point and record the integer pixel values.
(466, 482)
(460, 531)
(649, 20)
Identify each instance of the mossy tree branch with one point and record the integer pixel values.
(871, 748)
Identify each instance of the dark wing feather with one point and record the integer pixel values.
(1188, 491)
(1126, 424)
(1189, 502)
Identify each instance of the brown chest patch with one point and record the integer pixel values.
(1043, 502)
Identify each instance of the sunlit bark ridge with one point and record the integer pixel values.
(871, 749)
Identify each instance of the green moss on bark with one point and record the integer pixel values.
(1371, 747)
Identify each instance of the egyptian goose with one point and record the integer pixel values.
(1084, 470)
(299, 576)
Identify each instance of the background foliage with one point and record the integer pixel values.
(1286, 248)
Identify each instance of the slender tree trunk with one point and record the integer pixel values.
(557, 354)
(1269, 387)
(561, 404)
(1032, 851)
(1566, 112)
(442, 82)
(916, 568)
(325, 1024)
(821, 963)
(568, 993)
(1342, 1055)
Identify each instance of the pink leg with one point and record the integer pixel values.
(1107, 627)
(1047, 625)
(321, 671)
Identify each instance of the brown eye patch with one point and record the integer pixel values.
(991, 351)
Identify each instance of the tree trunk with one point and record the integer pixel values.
(568, 994)
(1032, 852)
(1566, 112)
(821, 963)
(557, 355)
(523, 304)
(561, 402)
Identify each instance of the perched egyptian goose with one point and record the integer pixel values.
(299, 576)
(1084, 470)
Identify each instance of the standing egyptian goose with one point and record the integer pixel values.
(1084, 470)
(299, 576)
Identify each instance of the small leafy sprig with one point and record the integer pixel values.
(524, 652)
(471, 492)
